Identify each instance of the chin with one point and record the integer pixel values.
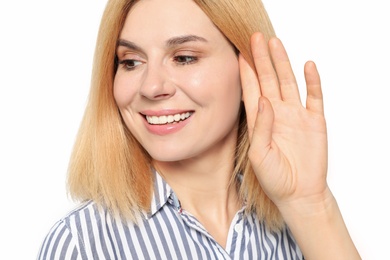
(169, 156)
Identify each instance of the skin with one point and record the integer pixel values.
(289, 150)
(194, 159)
(162, 84)
(288, 140)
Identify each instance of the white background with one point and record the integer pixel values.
(46, 50)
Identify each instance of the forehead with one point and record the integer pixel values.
(166, 18)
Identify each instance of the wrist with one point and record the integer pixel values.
(311, 206)
(318, 227)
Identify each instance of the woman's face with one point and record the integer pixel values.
(177, 85)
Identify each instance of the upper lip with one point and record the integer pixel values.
(164, 112)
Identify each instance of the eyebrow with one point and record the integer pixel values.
(183, 39)
(129, 45)
(174, 41)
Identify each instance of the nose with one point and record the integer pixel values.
(157, 83)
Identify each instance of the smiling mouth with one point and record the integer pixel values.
(168, 119)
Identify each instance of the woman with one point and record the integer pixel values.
(195, 145)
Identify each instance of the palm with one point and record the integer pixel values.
(288, 141)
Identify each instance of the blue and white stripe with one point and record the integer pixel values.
(89, 232)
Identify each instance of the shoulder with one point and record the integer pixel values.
(65, 238)
(78, 219)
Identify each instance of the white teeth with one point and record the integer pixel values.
(161, 120)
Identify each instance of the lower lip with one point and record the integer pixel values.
(166, 129)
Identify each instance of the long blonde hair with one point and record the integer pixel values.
(108, 165)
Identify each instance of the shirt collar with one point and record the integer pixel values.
(162, 193)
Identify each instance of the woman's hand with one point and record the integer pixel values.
(288, 149)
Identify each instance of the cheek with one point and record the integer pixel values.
(213, 82)
(233, 81)
(124, 91)
(226, 82)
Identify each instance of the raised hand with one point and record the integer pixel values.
(288, 148)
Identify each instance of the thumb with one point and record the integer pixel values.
(262, 132)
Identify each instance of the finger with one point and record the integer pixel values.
(262, 133)
(314, 100)
(269, 85)
(288, 84)
(250, 92)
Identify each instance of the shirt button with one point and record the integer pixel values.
(238, 228)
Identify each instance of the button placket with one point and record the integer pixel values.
(235, 231)
(238, 227)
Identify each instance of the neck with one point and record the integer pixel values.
(206, 190)
(202, 181)
(204, 185)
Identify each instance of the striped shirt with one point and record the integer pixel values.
(167, 232)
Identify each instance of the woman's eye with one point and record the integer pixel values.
(130, 64)
(183, 60)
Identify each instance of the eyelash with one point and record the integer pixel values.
(192, 59)
(126, 64)
(130, 65)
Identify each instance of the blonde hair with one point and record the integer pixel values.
(108, 165)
